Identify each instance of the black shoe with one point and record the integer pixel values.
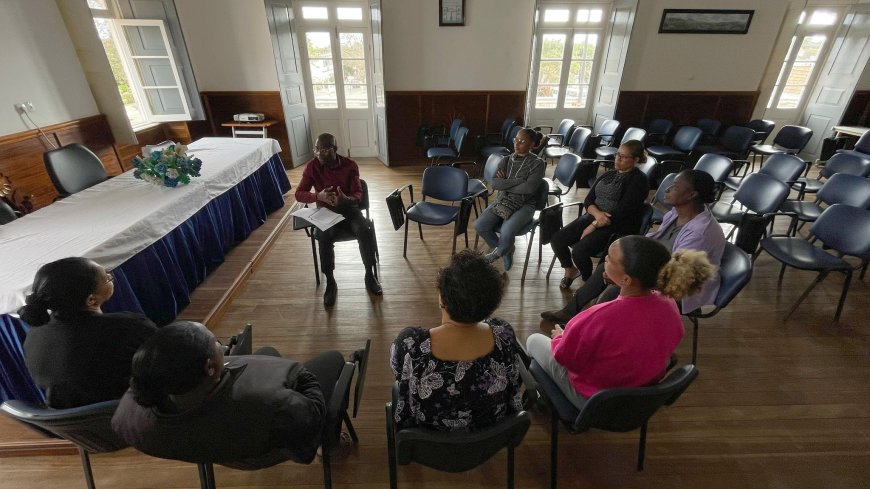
(372, 284)
(330, 294)
(558, 316)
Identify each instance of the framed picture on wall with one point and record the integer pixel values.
(451, 12)
(697, 21)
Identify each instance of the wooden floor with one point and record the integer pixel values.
(777, 405)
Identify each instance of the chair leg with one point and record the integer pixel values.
(350, 429)
(803, 296)
(552, 262)
(781, 272)
(86, 468)
(641, 449)
(694, 340)
(510, 468)
(314, 257)
(528, 253)
(554, 449)
(206, 476)
(391, 447)
(327, 468)
(420, 229)
(843, 294)
(864, 270)
(405, 249)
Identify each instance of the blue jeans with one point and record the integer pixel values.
(488, 220)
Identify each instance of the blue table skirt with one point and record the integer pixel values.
(158, 280)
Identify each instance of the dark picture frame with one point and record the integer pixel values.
(705, 21)
(451, 13)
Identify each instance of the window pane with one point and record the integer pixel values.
(322, 71)
(556, 15)
(575, 96)
(354, 71)
(583, 15)
(318, 44)
(553, 46)
(324, 96)
(315, 13)
(596, 15)
(574, 72)
(800, 74)
(823, 17)
(356, 97)
(351, 44)
(131, 105)
(551, 72)
(810, 49)
(547, 96)
(790, 98)
(98, 4)
(349, 13)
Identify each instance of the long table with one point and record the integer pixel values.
(159, 242)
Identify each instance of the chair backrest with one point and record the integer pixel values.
(846, 229)
(717, 166)
(364, 200)
(793, 138)
(454, 126)
(761, 193)
(445, 183)
(73, 168)
(633, 134)
(735, 270)
(566, 169)
(850, 163)
(505, 130)
(89, 427)
(863, 144)
(843, 188)
(491, 166)
(646, 221)
(762, 129)
(542, 195)
(460, 138)
(648, 166)
(660, 126)
(607, 130)
(337, 404)
(783, 167)
(708, 127)
(566, 127)
(578, 140)
(686, 138)
(663, 187)
(515, 131)
(626, 409)
(7, 213)
(737, 139)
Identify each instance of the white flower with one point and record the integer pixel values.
(172, 173)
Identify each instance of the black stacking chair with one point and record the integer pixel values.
(453, 451)
(364, 205)
(618, 410)
(709, 129)
(861, 148)
(735, 271)
(762, 128)
(504, 147)
(603, 136)
(436, 154)
(849, 163)
(734, 143)
(841, 228)
(717, 166)
(657, 132)
(562, 134)
(783, 167)
(87, 427)
(576, 145)
(659, 199)
(564, 174)
(73, 168)
(760, 194)
(841, 188)
(608, 153)
(684, 143)
(444, 140)
(790, 140)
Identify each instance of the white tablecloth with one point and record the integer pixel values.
(112, 221)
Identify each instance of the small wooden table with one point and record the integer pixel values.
(249, 128)
(850, 130)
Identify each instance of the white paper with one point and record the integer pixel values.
(321, 217)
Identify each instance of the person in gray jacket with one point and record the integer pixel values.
(516, 179)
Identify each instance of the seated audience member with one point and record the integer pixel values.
(187, 402)
(76, 354)
(689, 225)
(626, 342)
(614, 205)
(336, 184)
(517, 181)
(459, 375)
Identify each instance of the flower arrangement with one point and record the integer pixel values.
(169, 167)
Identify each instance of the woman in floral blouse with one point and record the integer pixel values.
(459, 375)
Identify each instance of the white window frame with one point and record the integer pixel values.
(139, 88)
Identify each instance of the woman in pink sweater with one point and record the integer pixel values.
(625, 342)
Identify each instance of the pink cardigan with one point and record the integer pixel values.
(622, 343)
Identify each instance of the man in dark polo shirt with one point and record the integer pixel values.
(336, 185)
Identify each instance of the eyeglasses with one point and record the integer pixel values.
(110, 277)
(520, 141)
(323, 150)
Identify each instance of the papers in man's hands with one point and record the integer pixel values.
(321, 217)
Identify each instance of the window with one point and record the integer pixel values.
(310, 13)
(322, 72)
(804, 53)
(353, 70)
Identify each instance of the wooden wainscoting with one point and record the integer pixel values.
(685, 108)
(482, 111)
(221, 106)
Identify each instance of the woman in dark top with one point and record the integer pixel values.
(75, 353)
(459, 375)
(614, 205)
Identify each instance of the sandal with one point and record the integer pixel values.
(566, 282)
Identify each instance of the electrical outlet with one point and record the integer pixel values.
(28, 106)
(24, 107)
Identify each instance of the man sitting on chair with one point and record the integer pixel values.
(337, 186)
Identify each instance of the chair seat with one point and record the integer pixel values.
(729, 214)
(801, 254)
(553, 187)
(606, 152)
(661, 151)
(733, 182)
(488, 151)
(806, 211)
(566, 410)
(475, 186)
(812, 185)
(553, 152)
(766, 149)
(440, 152)
(432, 213)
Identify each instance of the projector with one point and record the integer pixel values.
(248, 117)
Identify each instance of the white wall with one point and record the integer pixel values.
(228, 43)
(39, 64)
(701, 62)
(490, 53)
